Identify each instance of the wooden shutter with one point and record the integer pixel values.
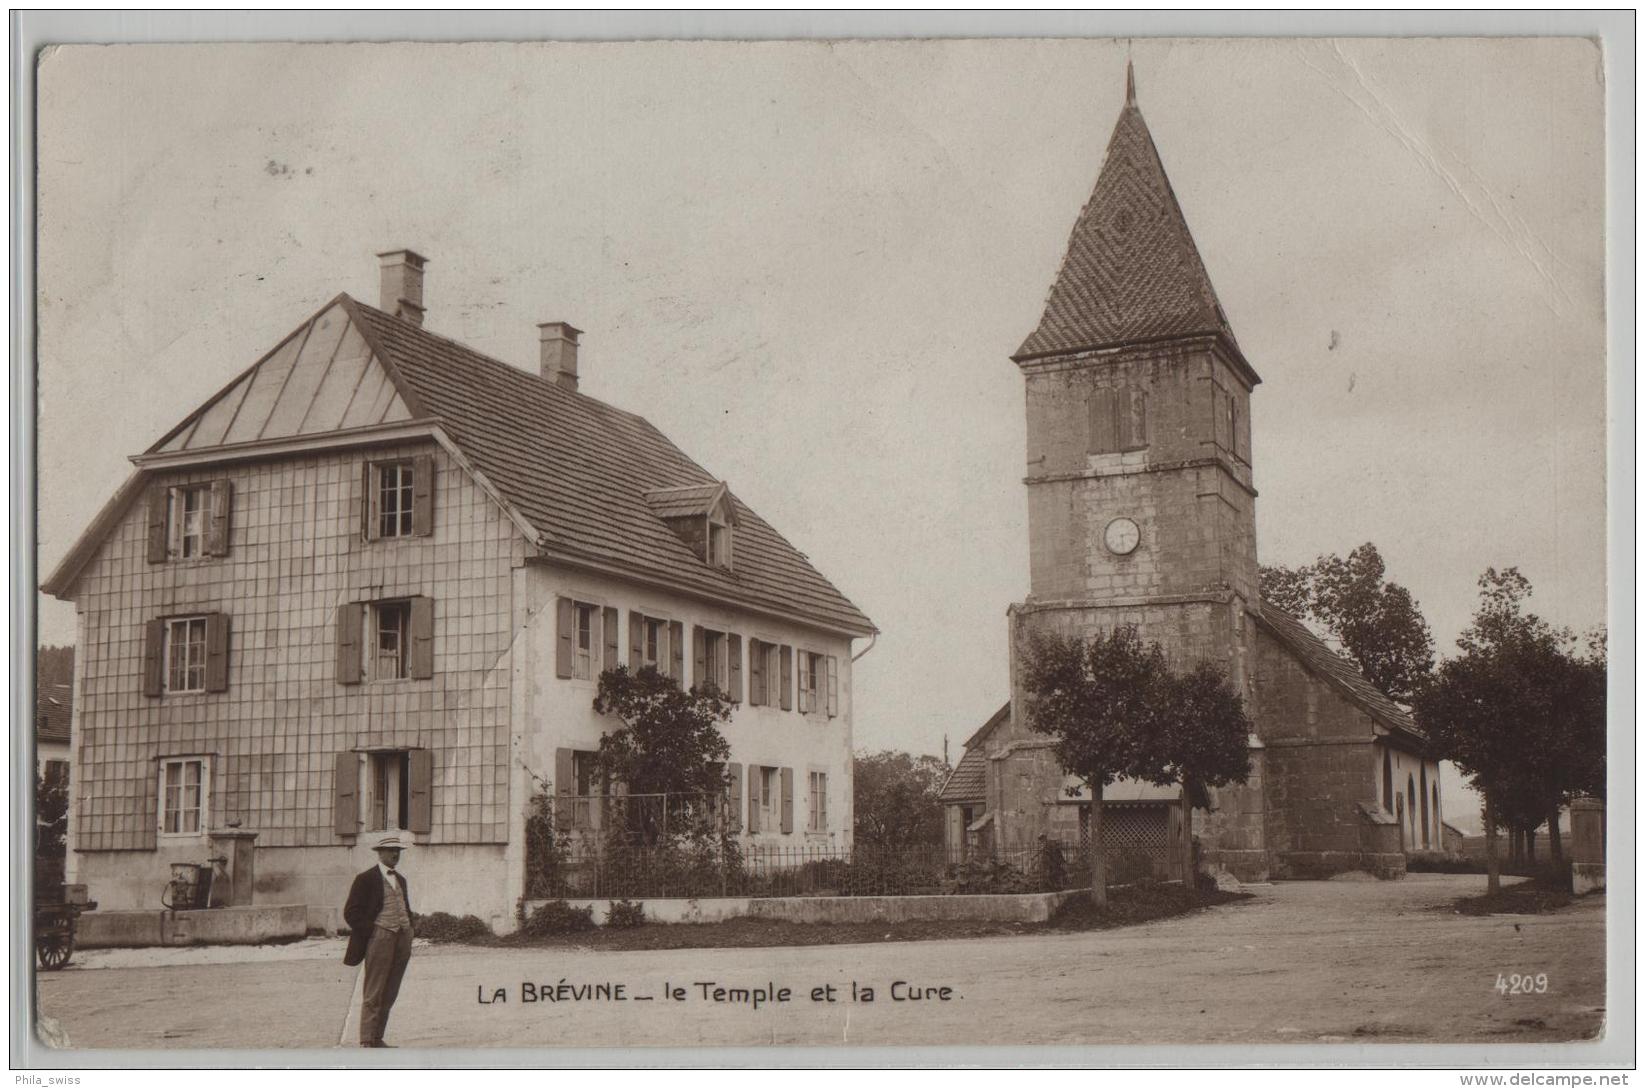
(368, 524)
(757, 696)
(345, 794)
(636, 641)
(1104, 421)
(676, 651)
(734, 673)
(609, 624)
(422, 495)
(154, 661)
(699, 654)
(422, 638)
(833, 686)
(216, 652)
(1134, 430)
(350, 625)
(755, 778)
(788, 799)
(159, 498)
(420, 768)
(734, 798)
(222, 503)
(565, 649)
(565, 785)
(785, 697)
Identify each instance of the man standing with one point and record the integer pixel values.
(378, 914)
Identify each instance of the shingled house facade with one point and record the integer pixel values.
(371, 585)
(1142, 511)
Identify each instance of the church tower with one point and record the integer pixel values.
(1141, 505)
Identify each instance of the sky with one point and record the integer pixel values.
(809, 264)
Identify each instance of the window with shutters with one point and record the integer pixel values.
(189, 521)
(771, 793)
(655, 647)
(384, 790)
(390, 655)
(716, 662)
(388, 791)
(811, 667)
(399, 498)
(818, 684)
(190, 508)
(184, 782)
(395, 480)
(186, 654)
(584, 657)
(817, 816)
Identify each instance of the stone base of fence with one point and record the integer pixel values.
(1027, 907)
(1023, 907)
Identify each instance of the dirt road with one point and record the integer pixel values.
(1303, 962)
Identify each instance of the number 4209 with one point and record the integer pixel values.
(1518, 984)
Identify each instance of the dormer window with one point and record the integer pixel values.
(703, 516)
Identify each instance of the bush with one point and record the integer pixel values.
(625, 915)
(444, 927)
(557, 917)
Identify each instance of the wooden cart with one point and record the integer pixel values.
(55, 914)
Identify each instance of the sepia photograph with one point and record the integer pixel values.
(925, 544)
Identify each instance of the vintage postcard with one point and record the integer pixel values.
(934, 544)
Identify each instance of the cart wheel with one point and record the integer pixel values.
(54, 950)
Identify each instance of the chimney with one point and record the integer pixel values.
(559, 353)
(403, 284)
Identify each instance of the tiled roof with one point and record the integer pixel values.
(1132, 272)
(578, 470)
(53, 708)
(1341, 673)
(966, 783)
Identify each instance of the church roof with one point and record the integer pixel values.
(967, 782)
(1131, 273)
(1336, 670)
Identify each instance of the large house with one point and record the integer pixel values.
(1142, 511)
(372, 584)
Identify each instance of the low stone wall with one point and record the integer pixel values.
(1028, 907)
(253, 925)
(1031, 907)
(708, 910)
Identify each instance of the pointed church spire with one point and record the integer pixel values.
(1131, 272)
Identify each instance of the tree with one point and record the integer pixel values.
(668, 742)
(1521, 711)
(896, 798)
(1117, 710)
(1378, 623)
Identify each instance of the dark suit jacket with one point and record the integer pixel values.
(365, 901)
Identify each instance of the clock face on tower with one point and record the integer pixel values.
(1122, 536)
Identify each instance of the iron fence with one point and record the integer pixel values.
(727, 868)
